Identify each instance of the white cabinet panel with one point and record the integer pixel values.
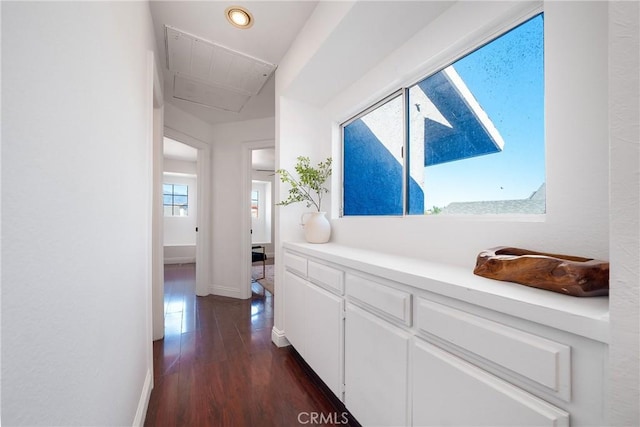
(450, 391)
(314, 325)
(376, 369)
(327, 277)
(539, 359)
(392, 302)
(294, 313)
(325, 336)
(295, 263)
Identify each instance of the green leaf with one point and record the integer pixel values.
(309, 187)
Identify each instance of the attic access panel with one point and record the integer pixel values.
(215, 64)
(196, 91)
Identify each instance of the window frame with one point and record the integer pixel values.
(398, 93)
(173, 205)
(458, 50)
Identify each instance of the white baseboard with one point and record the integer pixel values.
(143, 404)
(278, 338)
(225, 291)
(180, 260)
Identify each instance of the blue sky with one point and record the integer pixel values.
(506, 77)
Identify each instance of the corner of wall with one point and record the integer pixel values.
(624, 211)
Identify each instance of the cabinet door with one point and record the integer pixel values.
(376, 369)
(325, 336)
(450, 391)
(294, 311)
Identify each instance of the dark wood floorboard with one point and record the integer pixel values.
(217, 366)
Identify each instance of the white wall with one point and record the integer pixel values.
(306, 130)
(229, 199)
(0, 223)
(77, 105)
(624, 304)
(180, 166)
(157, 251)
(577, 54)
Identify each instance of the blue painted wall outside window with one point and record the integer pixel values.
(372, 176)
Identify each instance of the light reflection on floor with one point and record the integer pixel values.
(180, 301)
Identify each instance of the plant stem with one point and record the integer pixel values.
(306, 192)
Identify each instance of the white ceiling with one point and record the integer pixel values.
(367, 33)
(276, 24)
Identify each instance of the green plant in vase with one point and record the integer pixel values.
(309, 188)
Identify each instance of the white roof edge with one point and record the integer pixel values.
(473, 104)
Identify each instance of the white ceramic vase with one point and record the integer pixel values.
(317, 228)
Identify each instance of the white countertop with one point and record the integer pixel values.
(588, 317)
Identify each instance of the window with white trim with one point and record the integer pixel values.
(467, 140)
(175, 198)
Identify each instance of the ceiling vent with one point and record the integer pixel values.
(213, 75)
(189, 89)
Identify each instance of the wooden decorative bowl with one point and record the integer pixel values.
(570, 275)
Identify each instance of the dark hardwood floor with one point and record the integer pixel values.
(217, 366)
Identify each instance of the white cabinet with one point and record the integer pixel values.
(314, 325)
(450, 391)
(294, 313)
(325, 336)
(402, 348)
(376, 369)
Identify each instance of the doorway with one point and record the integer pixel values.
(259, 214)
(180, 202)
(200, 208)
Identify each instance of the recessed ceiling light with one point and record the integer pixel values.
(239, 17)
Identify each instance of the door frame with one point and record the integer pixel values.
(245, 211)
(156, 109)
(203, 236)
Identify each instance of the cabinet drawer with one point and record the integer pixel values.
(392, 302)
(449, 391)
(327, 277)
(541, 360)
(295, 263)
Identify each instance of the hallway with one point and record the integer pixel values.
(217, 365)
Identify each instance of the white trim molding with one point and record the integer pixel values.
(143, 403)
(278, 337)
(225, 291)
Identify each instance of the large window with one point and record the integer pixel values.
(468, 139)
(175, 199)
